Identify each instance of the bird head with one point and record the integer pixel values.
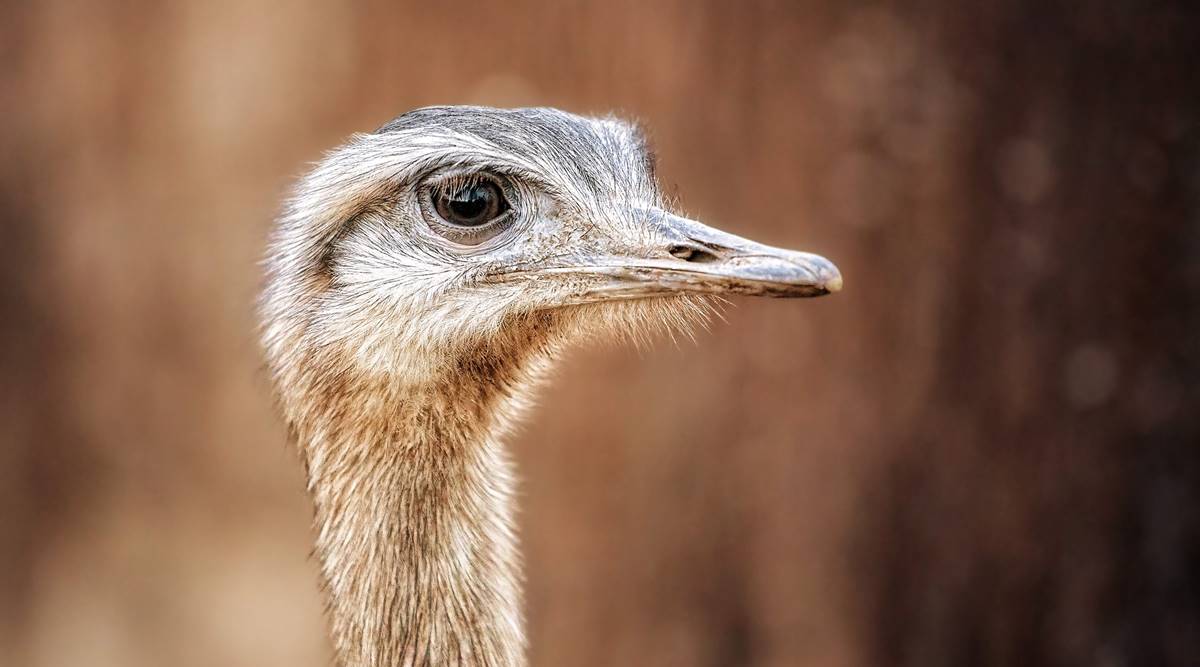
(456, 228)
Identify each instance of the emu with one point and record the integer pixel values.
(419, 284)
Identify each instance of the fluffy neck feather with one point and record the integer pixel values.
(412, 492)
(412, 487)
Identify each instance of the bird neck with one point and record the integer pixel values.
(412, 492)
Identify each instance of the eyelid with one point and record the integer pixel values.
(467, 174)
(463, 179)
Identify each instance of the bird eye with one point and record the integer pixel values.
(471, 204)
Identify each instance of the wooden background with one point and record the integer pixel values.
(983, 452)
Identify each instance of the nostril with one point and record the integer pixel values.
(691, 253)
(681, 251)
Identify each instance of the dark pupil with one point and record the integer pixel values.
(471, 205)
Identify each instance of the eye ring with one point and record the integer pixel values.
(468, 208)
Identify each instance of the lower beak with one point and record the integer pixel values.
(690, 257)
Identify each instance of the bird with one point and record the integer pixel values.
(420, 282)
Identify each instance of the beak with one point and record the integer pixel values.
(686, 256)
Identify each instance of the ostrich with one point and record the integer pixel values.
(420, 283)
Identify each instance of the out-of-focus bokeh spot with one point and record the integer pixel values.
(1091, 375)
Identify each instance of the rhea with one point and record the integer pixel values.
(420, 283)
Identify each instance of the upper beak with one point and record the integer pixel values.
(686, 256)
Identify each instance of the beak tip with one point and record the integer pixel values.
(829, 276)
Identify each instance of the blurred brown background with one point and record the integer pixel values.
(983, 452)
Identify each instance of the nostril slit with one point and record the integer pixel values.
(681, 251)
(690, 253)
